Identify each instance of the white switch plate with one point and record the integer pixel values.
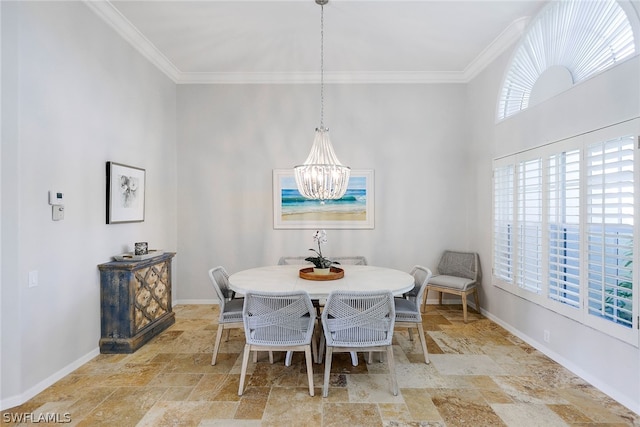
(33, 278)
(58, 212)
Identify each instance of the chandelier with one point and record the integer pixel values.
(322, 176)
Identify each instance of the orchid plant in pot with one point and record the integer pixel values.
(321, 264)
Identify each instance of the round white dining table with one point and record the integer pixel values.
(284, 278)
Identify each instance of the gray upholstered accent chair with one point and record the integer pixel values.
(278, 321)
(459, 274)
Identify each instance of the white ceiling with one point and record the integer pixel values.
(217, 41)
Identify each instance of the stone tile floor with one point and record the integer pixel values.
(479, 375)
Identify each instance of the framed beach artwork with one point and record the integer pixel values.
(354, 210)
(125, 193)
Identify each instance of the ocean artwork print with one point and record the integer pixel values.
(353, 205)
(353, 210)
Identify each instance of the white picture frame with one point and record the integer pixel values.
(355, 210)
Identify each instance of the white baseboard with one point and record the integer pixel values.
(624, 400)
(614, 394)
(13, 401)
(195, 301)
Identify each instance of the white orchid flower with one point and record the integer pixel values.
(320, 236)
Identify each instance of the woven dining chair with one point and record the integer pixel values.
(358, 321)
(230, 307)
(343, 260)
(408, 313)
(278, 321)
(293, 260)
(351, 260)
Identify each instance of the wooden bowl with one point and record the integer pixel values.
(334, 274)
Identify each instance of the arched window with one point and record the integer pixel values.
(567, 42)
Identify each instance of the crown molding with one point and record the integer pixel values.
(497, 47)
(354, 77)
(107, 12)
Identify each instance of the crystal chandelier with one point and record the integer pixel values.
(322, 176)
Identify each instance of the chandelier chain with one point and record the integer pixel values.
(322, 177)
(322, 66)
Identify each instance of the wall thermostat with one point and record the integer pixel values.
(56, 198)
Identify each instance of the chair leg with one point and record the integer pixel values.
(327, 372)
(464, 307)
(423, 303)
(307, 353)
(243, 372)
(321, 347)
(477, 299)
(289, 356)
(314, 344)
(410, 334)
(380, 355)
(354, 358)
(226, 338)
(423, 340)
(392, 371)
(216, 345)
(440, 298)
(255, 357)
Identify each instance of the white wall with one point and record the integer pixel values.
(75, 95)
(231, 137)
(611, 97)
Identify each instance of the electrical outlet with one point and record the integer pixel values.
(547, 336)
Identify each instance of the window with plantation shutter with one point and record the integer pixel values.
(563, 227)
(503, 223)
(564, 223)
(581, 37)
(610, 219)
(529, 211)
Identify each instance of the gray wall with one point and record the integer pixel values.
(609, 98)
(74, 95)
(231, 137)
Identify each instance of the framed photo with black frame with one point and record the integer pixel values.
(125, 193)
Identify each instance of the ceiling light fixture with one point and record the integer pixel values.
(322, 176)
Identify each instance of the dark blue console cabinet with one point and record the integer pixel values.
(135, 302)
